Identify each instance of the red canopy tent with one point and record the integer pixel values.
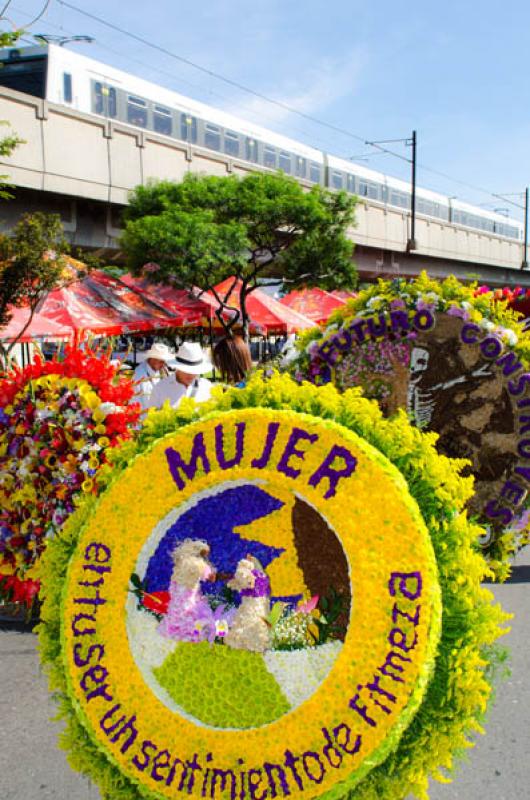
(40, 327)
(316, 304)
(102, 305)
(267, 315)
(343, 294)
(194, 310)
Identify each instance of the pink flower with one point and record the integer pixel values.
(309, 605)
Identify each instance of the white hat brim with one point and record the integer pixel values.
(191, 369)
(160, 357)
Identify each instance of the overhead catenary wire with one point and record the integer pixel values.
(41, 13)
(3, 11)
(106, 47)
(278, 103)
(33, 21)
(212, 74)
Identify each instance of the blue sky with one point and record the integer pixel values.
(456, 72)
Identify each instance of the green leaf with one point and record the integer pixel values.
(276, 613)
(136, 582)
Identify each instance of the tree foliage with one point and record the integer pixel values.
(206, 229)
(9, 38)
(9, 142)
(31, 263)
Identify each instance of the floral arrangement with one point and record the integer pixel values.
(487, 307)
(506, 294)
(58, 421)
(399, 318)
(129, 678)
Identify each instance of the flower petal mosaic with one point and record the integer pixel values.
(58, 420)
(455, 358)
(256, 605)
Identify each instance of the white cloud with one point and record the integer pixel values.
(326, 82)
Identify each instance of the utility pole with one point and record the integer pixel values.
(411, 244)
(412, 142)
(524, 209)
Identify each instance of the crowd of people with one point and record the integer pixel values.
(167, 375)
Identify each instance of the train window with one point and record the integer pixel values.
(25, 74)
(162, 122)
(105, 100)
(231, 143)
(350, 183)
(98, 90)
(425, 207)
(336, 180)
(300, 166)
(269, 157)
(212, 136)
(399, 199)
(188, 128)
(314, 172)
(252, 150)
(113, 103)
(371, 190)
(285, 162)
(136, 111)
(67, 87)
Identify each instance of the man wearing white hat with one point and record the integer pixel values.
(150, 372)
(190, 362)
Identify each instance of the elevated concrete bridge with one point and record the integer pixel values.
(83, 167)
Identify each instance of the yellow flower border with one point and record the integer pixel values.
(482, 308)
(383, 535)
(461, 683)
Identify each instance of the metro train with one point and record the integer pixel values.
(68, 78)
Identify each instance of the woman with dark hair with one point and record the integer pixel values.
(232, 358)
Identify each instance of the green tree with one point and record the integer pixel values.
(206, 229)
(9, 38)
(31, 264)
(9, 142)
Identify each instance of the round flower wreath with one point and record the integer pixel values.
(461, 677)
(372, 362)
(59, 420)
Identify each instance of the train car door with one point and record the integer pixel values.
(104, 99)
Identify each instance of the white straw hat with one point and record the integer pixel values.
(160, 351)
(191, 358)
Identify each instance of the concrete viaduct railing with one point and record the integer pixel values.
(79, 155)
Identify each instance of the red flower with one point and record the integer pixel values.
(156, 601)
(18, 591)
(53, 439)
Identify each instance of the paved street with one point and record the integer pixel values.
(32, 767)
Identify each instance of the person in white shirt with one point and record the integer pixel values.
(190, 362)
(150, 372)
